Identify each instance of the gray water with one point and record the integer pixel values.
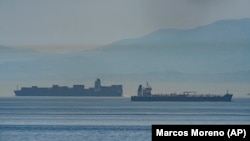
(106, 119)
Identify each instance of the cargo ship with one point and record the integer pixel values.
(144, 94)
(77, 90)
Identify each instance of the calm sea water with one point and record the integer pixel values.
(106, 119)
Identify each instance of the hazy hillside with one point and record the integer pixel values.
(219, 47)
(218, 52)
(221, 32)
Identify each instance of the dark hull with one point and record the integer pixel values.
(114, 91)
(89, 94)
(226, 97)
(76, 90)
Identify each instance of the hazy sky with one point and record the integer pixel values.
(74, 24)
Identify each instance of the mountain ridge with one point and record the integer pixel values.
(205, 54)
(182, 52)
(225, 31)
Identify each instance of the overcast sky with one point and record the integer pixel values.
(74, 24)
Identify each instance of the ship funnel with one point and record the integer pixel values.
(139, 91)
(97, 84)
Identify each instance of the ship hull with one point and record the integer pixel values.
(226, 97)
(87, 94)
(76, 90)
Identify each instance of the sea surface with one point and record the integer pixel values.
(106, 119)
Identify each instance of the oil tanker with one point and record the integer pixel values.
(144, 94)
(77, 90)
